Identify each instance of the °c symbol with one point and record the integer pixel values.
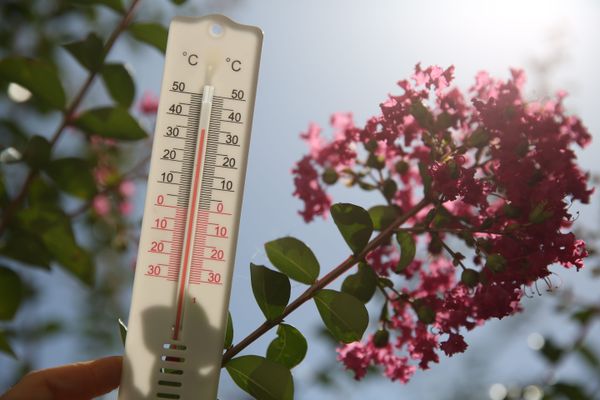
(236, 65)
(192, 59)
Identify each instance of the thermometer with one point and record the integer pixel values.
(185, 261)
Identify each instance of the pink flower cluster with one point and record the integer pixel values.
(107, 176)
(499, 175)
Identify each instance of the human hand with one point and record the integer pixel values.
(79, 381)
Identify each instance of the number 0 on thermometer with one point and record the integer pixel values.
(189, 231)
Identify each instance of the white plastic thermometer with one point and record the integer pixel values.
(189, 232)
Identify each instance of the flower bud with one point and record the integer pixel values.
(381, 338)
(540, 214)
(511, 211)
(329, 176)
(479, 138)
(470, 277)
(496, 263)
(371, 145)
(425, 314)
(374, 161)
(389, 189)
(401, 167)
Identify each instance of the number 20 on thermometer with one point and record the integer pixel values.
(189, 231)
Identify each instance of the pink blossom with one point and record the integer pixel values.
(127, 188)
(500, 175)
(149, 103)
(101, 205)
(125, 208)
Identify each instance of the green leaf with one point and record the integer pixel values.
(407, 250)
(150, 33)
(39, 77)
(37, 153)
(119, 84)
(343, 314)
(54, 229)
(289, 348)
(383, 216)
(5, 346)
(261, 378)
(362, 284)
(88, 52)
(11, 293)
(111, 123)
(26, 247)
(271, 290)
(178, 2)
(589, 356)
(116, 5)
(43, 195)
(228, 332)
(425, 178)
(292, 257)
(570, 391)
(74, 176)
(122, 331)
(422, 114)
(551, 352)
(354, 224)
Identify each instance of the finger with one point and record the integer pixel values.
(80, 381)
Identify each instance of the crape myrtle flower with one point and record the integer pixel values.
(500, 175)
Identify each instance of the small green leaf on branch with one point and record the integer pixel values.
(123, 331)
(228, 332)
(73, 175)
(110, 122)
(344, 315)
(89, 52)
(39, 77)
(119, 83)
(422, 114)
(495, 262)
(383, 216)
(295, 259)
(354, 224)
(408, 250)
(261, 378)
(271, 290)
(362, 284)
(150, 33)
(116, 5)
(54, 229)
(11, 293)
(289, 348)
(425, 178)
(37, 152)
(5, 346)
(26, 247)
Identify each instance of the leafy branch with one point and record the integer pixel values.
(321, 283)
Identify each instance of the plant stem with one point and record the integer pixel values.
(324, 281)
(68, 116)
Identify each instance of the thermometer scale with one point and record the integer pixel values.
(185, 261)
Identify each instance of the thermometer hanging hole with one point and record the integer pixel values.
(215, 30)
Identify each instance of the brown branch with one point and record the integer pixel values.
(68, 116)
(324, 281)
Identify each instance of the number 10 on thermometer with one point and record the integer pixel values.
(189, 231)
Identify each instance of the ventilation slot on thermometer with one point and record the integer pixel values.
(168, 383)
